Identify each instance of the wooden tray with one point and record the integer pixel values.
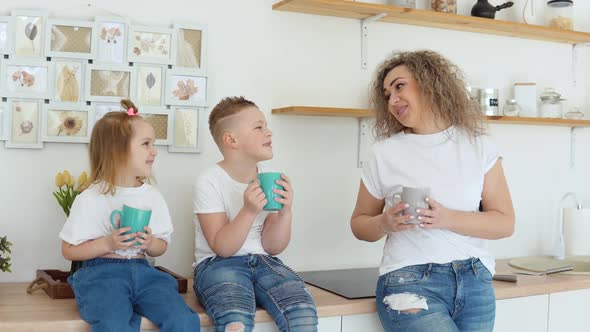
(55, 284)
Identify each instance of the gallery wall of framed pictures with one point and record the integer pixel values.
(58, 77)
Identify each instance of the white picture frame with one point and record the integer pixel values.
(102, 108)
(189, 54)
(3, 121)
(26, 78)
(110, 36)
(185, 137)
(68, 80)
(24, 119)
(151, 45)
(6, 35)
(186, 87)
(29, 33)
(69, 39)
(155, 117)
(149, 86)
(109, 83)
(66, 123)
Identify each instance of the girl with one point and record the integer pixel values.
(116, 285)
(435, 275)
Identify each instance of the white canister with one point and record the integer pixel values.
(526, 97)
(403, 3)
(576, 228)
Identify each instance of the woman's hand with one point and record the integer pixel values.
(287, 194)
(392, 219)
(437, 216)
(116, 241)
(145, 238)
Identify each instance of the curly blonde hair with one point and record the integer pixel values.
(441, 85)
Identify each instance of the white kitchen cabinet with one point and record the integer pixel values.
(568, 311)
(326, 324)
(522, 314)
(364, 323)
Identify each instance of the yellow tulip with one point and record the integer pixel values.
(71, 181)
(59, 180)
(82, 181)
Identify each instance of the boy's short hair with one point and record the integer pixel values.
(227, 107)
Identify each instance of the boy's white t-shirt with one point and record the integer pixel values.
(215, 191)
(90, 214)
(453, 165)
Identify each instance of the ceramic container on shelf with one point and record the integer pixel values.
(559, 14)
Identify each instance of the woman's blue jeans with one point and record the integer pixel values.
(456, 296)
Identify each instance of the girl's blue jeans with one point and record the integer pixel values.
(113, 294)
(230, 288)
(459, 297)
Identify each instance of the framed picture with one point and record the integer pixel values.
(100, 109)
(71, 39)
(109, 83)
(110, 36)
(3, 121)
(191, 41)
(66, 123)
(149, 87)
(151, 45)
(160, 120)
(186, 88)
(185, 132)
(29, 33)
(23, 124)
(68, 80)
(6, 33)
(26, 78)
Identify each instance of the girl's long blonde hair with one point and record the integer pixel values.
(109, 146)
(441, 85)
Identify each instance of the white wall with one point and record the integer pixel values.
(283, 59)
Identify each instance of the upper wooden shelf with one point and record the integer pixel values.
(359, 113)
(427, 18)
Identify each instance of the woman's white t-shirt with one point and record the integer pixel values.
(217, 192)
(453, 165)
(90, 214)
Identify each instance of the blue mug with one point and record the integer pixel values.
(268, 183)
(137, 219)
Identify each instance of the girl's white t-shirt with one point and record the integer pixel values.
(215, 191)
(90, 214)
(453, 165)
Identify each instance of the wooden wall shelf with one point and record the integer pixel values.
(427, 18)
(361, 113)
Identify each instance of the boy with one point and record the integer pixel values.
(236, 240)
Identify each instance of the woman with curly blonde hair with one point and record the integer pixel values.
(436, 271)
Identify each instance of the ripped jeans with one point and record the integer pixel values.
(451, 297)
(230, 288)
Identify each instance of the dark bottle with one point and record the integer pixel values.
(484, 9)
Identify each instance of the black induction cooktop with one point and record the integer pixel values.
(351, 283)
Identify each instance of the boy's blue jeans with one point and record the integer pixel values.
(459, 296)
(113, 294)
(229, 289)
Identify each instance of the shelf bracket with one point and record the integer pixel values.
(363, 141)
(572, 146)
(575, 60)
(365, 36)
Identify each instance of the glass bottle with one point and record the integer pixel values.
(559, 14)
(511, 108)
(551, 106)
(445, 6)
(404, 3)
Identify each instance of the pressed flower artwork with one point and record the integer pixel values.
(29, 36)
(68, 81)
(149, 85)
(28, 80)
(111, 46)
(185, 128)
(109, 83)
(160, 124)
(3, 37)
(100, 109)
(151, 44)
(186, 90)
(67, 123)
(25, 121)
(189, 47)
(71, 39)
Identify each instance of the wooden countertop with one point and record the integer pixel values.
(20, 311)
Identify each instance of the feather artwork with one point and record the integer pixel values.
(67, 84)
(31, 32)
(150, 81)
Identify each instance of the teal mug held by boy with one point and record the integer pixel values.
(132, 217)
(268, 183)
